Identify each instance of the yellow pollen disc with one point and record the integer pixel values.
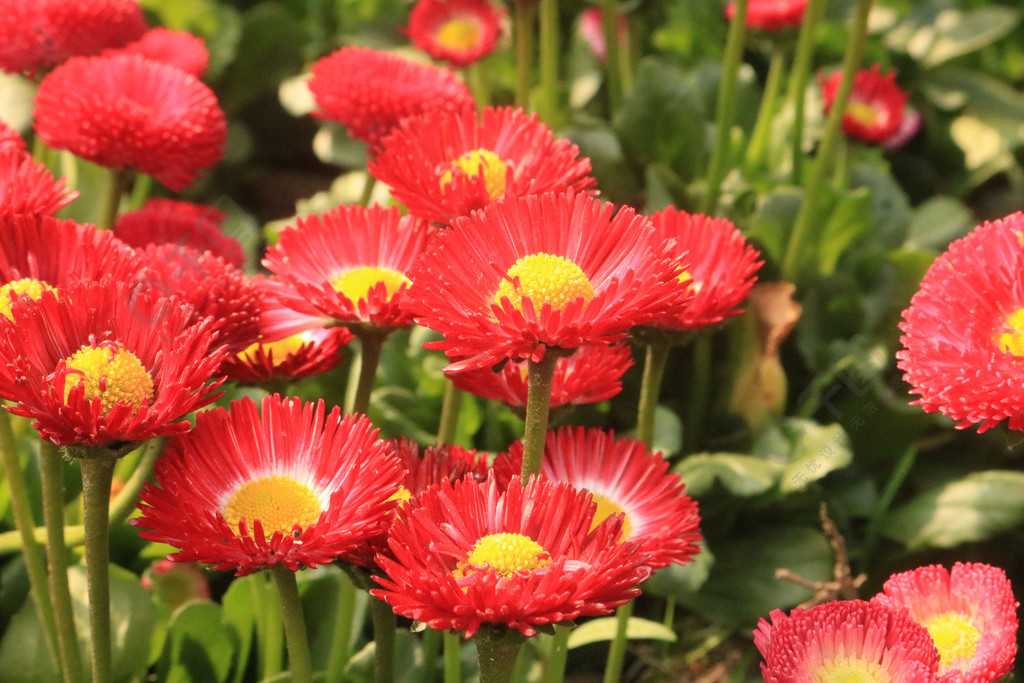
(606, 507)
(506, 553)
(279, 503)
(851, 671)
(280, 349)
(545, 278)
(111, 372)
(403, 494)
(862, 112)
(955, 637)
(459, 34)
(356, 283)
(33, 288)
(1013, 340)
(474, 162)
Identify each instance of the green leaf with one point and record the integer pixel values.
(678, 579)
(933, 34)
(937, 221)
(806, 450)
(773, 220)
(668, 431)
(603, 629)
(198, 647)
(846, 221)
(973, 508)
(741, 475)
(239, 614)
(318, 589)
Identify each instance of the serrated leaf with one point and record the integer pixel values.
(741, 475)
(603, 629)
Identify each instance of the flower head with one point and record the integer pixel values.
(445, 164)
(104, 364)
(371, 91)
(179, 48)
(770, 15)
(348, 266)
(29, 188)
(970, 613)
(468, 554)
(876, 108)
(126, 111)
(459, 32)
(962, 350)
(172, 221)
(845, 640)
(534, 273)
(287, 483)
(10, 140)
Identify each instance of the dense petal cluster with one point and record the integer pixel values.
(173, 221)
(29, 188)
(469, 554)
(963, 352)
(126, 111)
(770, 15)
(178, 48)
(551, 271)
(444, 164)
(876, 108)
(286, 483)
(969, 611)
(371, 91)
(459, 32)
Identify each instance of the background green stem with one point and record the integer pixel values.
(874, 530)
(609, 22)
(450, 406)
(655, 361)
(342, 629)
(431, 647)
(558, 655)
(97, 474)
(384, 625)
(270, 629)
(700, 384)
(299, 662)
(522, 31)
(124, 502)
(798, 77)
(762, 129)
(617, 649)
(452, 657)
(118, 183)
(538, 402)
(370, 345)
(547, 102)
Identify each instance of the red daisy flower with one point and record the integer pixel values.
(286, 483)
(178, 48)
(845, 640)
(876, 107)
(10, 140)
(212, 286)
(128, 111)
(963, 334)
(970, 613)
(721, 267)
(41, 253)
(771, 15)
(172, 221)
(624, 478)
(29, 188)
(444, 164)
(459, 32)
(546, 271)
(590, 375)
(371, 91)
(469, 554)
(348, 265)
(105, 365)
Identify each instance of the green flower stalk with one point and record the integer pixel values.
(299, 662)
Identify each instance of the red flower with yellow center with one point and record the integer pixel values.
(172, 221)
(445, 164)
(876, 108)
(29, 188)
(459, 32)
(288, 483)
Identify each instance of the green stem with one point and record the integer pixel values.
(35, 563)
(497, 657)
(547, 102)
(299, 663)
(368, 185)
(538, 402)
(384, 625)
(452, 657)
(124, 503)
(430, 647)
(116, 187)
(874, 530)
(97, 474)
(476, 77)
(762, 129)
(617, 649)
(802, 228)
(625, 62)
(700, 382)
(523, 17)
(726, 106)
(450, 406)
(270, 630)
(370, 345)
(609, 22)
(799, 75)
(655, 361)
(841, 176)
(52, 475)
(342, 630)
(558, 655)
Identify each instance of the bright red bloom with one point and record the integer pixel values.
(105, 364)
(126, 111)
(371, 91)
(528, 274)
(172, 221)
(459, 32)
(963, 334)
(348, 265)
(29, 188)
(444, 164)
(590, 375)
(845, 640)
(625, 479)
(289, 483)
(771, 15)
(468, 554)
(10, 140)
(721, 267)
(970, 613)
(876, 108)
(178, 48)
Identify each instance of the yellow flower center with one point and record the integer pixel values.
(459, 34)
(402, 494)
(862, 112)
(955, 637)
(545, 278)
(33, 288)
(505, 553)
(279, 503)
(606, 507)
(478, 161)
(356, 283)
(280, 349)
(111, 372)
(1013, 340)
(851, 671)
